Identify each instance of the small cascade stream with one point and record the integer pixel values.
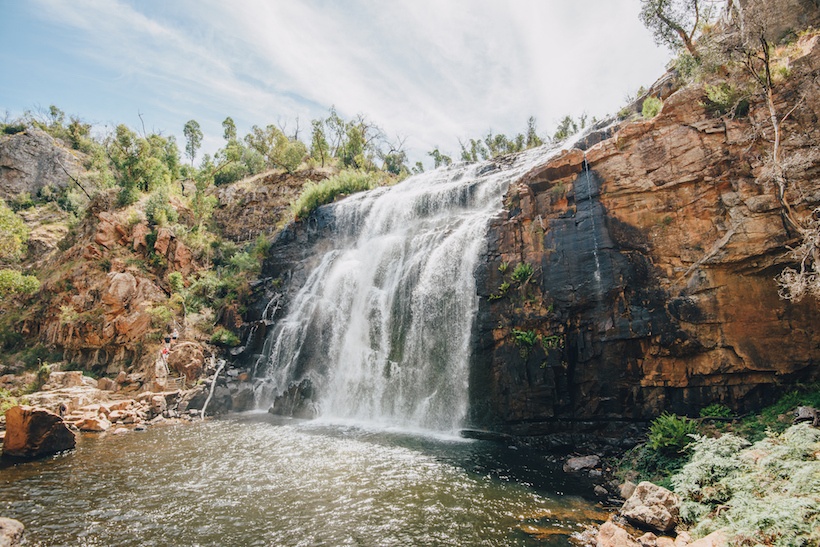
(595, 244)
(381, 329)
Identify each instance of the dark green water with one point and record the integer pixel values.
(255, 480)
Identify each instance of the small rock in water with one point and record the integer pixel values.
(141, 427)
(580, 463)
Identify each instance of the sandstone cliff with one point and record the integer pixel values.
(653, 266)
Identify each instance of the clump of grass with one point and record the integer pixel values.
(316, 194)
(522, 272)
(651, 107)
(224, 337)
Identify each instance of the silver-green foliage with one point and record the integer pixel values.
(767, 493)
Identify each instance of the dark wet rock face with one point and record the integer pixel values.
(652, 260)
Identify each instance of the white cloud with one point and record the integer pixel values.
(432, 70)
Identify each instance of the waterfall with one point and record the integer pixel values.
(381, 328)
(597, 274)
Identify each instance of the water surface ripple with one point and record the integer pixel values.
(257, 480)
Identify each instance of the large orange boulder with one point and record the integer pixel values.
(33, 432)
(187, 358)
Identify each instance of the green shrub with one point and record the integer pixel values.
(224, 337)
(7, 400)
(725, 98)
(316, 194)
(158, 209)
(522, 272)
(525, 337)
(161, 316)
(43, 372)
(651, 107)
(14, 282)
(176, 282)
(716, 410)
(15, 234)
(13, 128)
(245, 262)
(68, 314)
(671, 434)
(128, 195)
(687, 66)
(645, 464)
(552, 342)
(21, 201)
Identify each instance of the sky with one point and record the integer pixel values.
(427, 71)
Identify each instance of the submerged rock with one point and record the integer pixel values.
(35, 432)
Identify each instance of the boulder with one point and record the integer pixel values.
(96, 424)
(715, 539)
(158, 405)
(107, 384)
(612, 535)
(122, 286)
(627, 489)
(107, 234)
(244, 399)
(163, 242)
(582, 463)
(193, 398)
(806, 414)
(11, 532)
(187, 358)
(32, 160)
(33, 432)
(652, 507)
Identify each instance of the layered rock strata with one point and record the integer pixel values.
(638, 276)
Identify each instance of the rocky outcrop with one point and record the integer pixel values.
(777, 20)
(261, 204)
(97, 305)
(32, 160)
(649, 272)
(35, 432)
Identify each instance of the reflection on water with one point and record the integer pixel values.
(256, 480)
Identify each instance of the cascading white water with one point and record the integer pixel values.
(382, 326)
